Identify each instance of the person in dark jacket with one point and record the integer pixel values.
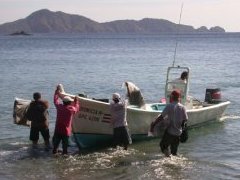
(38, 115)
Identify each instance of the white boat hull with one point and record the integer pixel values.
(92, 125)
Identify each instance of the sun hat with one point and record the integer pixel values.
(116, 96)
(67, 99)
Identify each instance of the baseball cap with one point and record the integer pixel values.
(175, 94)
(116, 96)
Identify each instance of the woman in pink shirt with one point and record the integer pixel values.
(63, 127)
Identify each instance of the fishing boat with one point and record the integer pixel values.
(92, 124)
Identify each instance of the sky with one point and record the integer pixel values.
(197, 13)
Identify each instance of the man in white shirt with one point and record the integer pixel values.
(118, 110)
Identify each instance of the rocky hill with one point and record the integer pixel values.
(45, 21)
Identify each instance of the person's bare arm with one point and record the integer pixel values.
(153, 124)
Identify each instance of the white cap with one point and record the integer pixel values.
(67, 99)
(116, 96)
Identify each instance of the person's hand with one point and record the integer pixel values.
(75, 99)
(57, 92)
(150, 134)
(58, 87)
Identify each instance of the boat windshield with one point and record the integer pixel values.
(177, 79)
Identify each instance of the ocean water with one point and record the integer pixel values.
(98, 65)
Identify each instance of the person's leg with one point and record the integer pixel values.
(34, 136)
(116, 139)
(164, 144)
(174, 145)
(56, 141)
(65, 144)
(46, 136)
(126, 138)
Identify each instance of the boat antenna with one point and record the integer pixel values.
(179, 22)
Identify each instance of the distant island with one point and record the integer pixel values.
(20, 33)
(46, 21)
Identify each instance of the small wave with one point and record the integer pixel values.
(11, 155)
(97, 160)
(10, 152)
(93, 162)
(227, 117)
(165, 167)
(18, 143)
(6, 153)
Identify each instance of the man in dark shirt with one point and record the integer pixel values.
(38, 115)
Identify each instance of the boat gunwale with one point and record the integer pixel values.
(130, 107)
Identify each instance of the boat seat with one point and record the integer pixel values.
(158, 107)
(102, 100)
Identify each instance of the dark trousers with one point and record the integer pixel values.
(34, 134)
(169, 140)
(57, 138)
(121, 137)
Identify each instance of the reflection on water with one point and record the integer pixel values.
(20, 160)
(229, 117)
(23, 161)
(205, 155)
(171, 168)
(125, 164)
(143, 160)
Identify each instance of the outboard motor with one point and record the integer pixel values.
(213, 96)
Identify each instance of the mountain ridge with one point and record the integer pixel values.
(46, 21)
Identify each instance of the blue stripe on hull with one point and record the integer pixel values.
(99, 140)
(92, 140)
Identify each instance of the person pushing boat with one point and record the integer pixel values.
(65, 112)
(118, 110)
(175, 113)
